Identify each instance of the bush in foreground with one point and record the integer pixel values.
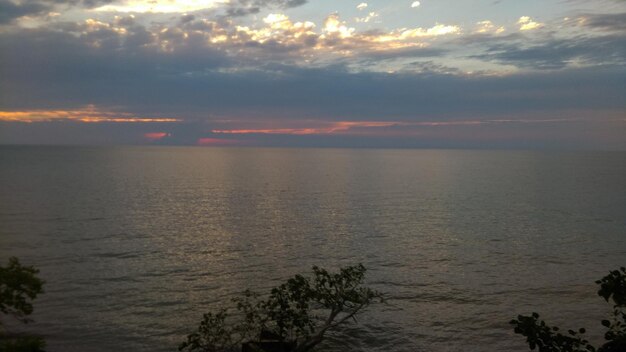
(549, 339)
(19, 286)
(293, 318)
(22, 344)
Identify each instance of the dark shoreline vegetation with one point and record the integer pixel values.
(19, 286)
(293, 318)
(297, 314)
(549, 339)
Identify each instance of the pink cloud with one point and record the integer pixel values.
(207, 142)
(155, 136)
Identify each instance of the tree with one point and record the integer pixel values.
(290, 316)
(19, 285)
(548, 339)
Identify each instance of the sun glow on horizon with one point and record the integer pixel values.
(331, 128)
(374, 127)
(89, 114)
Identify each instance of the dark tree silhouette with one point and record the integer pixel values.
(19, 286)
(294, 317)
(549, 339)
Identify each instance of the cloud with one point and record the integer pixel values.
(415, 4)
(194, 75)
(335, 39)
(88, 114)
(391, 128)
(238, 8)
(370, 16)
(93, 62)
(160, 6)
(217, 142)
(295, 99)
(194, 45)
(155, 136)
(561, 53)
(361, 6)
(234, 8)
(334, 26)
(436, 30)
(10, 11)
(176, 76)
(488, 27)
(608, 22)
(339, 127)
(527, 24)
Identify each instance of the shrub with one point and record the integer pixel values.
(548, 339)
(19, 286)
(295, 316)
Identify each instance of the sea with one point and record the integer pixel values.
(136, 243)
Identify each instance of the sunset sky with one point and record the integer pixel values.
(380, 73)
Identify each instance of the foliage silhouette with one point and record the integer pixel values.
(19, 286)
(289, 316)
(548, 339)
(22, 344)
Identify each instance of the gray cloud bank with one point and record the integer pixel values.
(245, 7)
(54, 67)
(11, 10)
(173, 71)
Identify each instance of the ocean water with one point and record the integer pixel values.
(135, 243)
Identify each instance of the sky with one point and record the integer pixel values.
(532, 74)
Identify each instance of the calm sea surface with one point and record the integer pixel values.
(136, 243)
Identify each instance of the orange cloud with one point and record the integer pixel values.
(155, 136)
(332, 128)
(374, 127)
(89, 114)
(216, 142)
